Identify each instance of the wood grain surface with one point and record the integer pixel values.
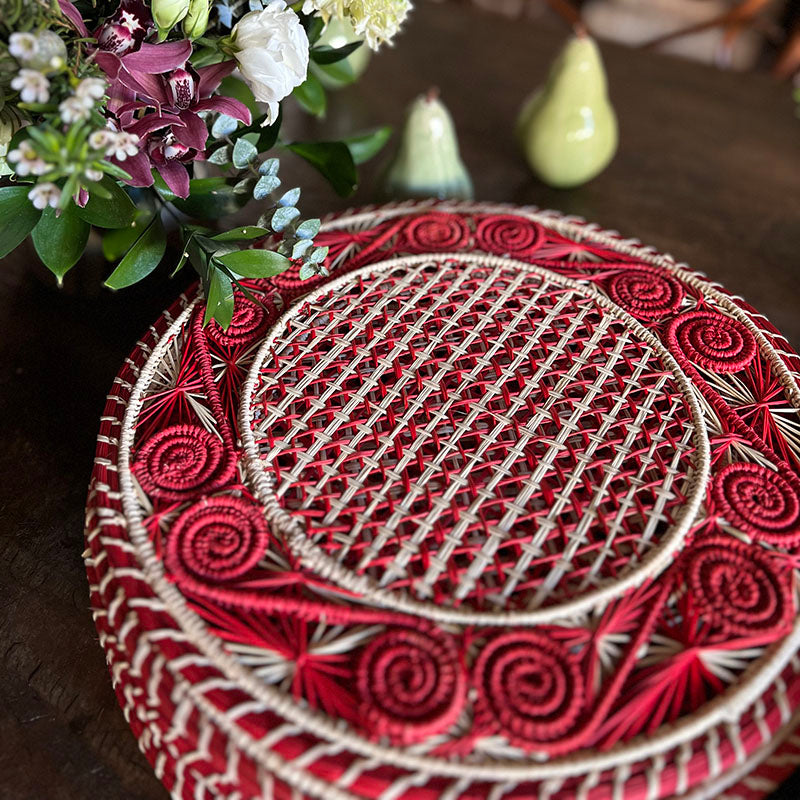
(707, 170)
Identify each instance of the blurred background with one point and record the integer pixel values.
(731, 34)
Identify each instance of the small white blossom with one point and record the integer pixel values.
(74, 109)
(93, 175)
(22, 46)
(32, 86)
(27, 160)
(91, 89)
(45, 194)
(102, 139)
(123, 145)
(272, 53)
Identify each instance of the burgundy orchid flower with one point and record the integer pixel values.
(155, 94)
(164, 114)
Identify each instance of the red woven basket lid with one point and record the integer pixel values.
(507, 507)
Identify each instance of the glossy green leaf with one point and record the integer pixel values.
(333, 160)
(219, 299)
(255, 263)
(17, 217)
(241, 234)
(367, 145)
(60, 241)
(341, 72)
(330, 55)
(117, 243)
(311, 96)
(142, 258)
(115, 211)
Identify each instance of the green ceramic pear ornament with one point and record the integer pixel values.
(568, 129)
(428, 162)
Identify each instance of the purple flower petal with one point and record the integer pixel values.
(156, 58)
(175, 176)
(81, 198)
(212, 75)
(153, 122)
(195, 133)
(146, 85)
(108, 62)
(74, 16)
(138, 167)
(225, 105)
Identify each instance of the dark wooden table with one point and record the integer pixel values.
(707, 170)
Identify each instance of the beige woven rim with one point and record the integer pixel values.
(725, 709)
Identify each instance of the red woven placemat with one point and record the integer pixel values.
(508, 507)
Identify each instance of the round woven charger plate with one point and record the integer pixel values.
(507, 507)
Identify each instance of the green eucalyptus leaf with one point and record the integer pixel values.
(311, 96)
(244, 153)
(301, 247)
(283, 217)
(255, 263)
(224, 126)
(319, 255)
(333, 160)
(308, 229)
(221, 157)
(114, 211)
(241, 234)
(290, 198)
(143, 257)
(367, 145)
(60, 240)
(265, 186)
(330, 55)
(18, 217)
(270, 166)
(219, 299)
(307, 271)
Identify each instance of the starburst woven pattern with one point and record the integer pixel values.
(473, 435)
(258, 654)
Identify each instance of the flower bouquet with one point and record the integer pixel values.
(108, 109)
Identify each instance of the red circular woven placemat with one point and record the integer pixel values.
(508, 507)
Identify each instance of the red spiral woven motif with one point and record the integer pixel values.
(508, 234)
(713, 341)
(411, 684)
(180, 461)
(217, 539)
(250, 320)
(739, 587)
(644, 294)
(760, 501)
(436, 232)
(530, 688)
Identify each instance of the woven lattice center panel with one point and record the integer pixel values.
(473, 433)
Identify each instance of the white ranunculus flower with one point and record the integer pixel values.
(272, 53)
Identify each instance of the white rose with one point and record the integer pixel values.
(272, 53)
